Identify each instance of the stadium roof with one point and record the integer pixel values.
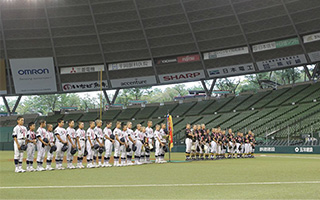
(164, 37)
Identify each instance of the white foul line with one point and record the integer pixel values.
(158, 185)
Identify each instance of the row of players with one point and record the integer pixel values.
(202, 142)
(90, 144)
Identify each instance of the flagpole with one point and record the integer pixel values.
(169, 136)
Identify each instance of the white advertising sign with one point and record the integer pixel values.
(133, 82)
(83, 86)
(231, 70)
(130, 65)
(311, 37)
(225, 53)
(182, 76)
(81, 69)
(275, 44)
(282, 62)
(314, 56)
(33, 75)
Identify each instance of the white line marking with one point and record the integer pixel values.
(272, 156)
(158, 185)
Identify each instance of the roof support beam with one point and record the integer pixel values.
(307, 72)
(53, 48)
(147, 41)
(106, 96)
(315, 70)
(195, 40)
(100, 44)
(6, 55)
(6, 104)
(208, 91)
(16, 104)
(205, 88)
(115, 96)
(245, 37)
(212, 85)
(296, 31)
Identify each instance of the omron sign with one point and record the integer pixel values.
(33, 75)
(182, 77)
(33, 71)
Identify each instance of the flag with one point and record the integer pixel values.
(170, 130)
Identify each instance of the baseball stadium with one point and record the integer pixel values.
(160, 99)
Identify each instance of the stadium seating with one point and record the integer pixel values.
(294, 91)
(270, 97)
(219, 103)
(182, 108)
(163, 110)
(231, 105)
(199, 107)
(110, 115)
(146, 112)
(309, 91)
(251, 100)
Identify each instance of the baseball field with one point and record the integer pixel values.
(268, 176)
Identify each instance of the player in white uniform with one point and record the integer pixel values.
(188, 141)
(91, 137)
(32, 141)
(108, 143)
(130, 142)
(19, 135)
(51, 139)
(164, 136)
(81, 141)
(145, 145)
(117, 133)
(213, 143)
(71, 136)
(41, 134)
(138, 137)
(150, 138)
(158, 144)
(61, 140)
(123, 145)
(99, 140)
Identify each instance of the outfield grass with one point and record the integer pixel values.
(270, 176)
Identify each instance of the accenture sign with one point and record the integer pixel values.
(182, 76)
(133, 82)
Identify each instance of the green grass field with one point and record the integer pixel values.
(268, 176)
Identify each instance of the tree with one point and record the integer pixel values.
(48, 103)
(227, 84)
(11, 103)
(132, 94)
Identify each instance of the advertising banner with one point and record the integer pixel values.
(83, 86)
(33, 75)
(282, 62)
(275, 45)
(231, 70)
(81, 69)
(133, 82)
(130, 65)
(314, 56)
(311, 38)
(225, 53)
(188, 58)
(182, 76)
